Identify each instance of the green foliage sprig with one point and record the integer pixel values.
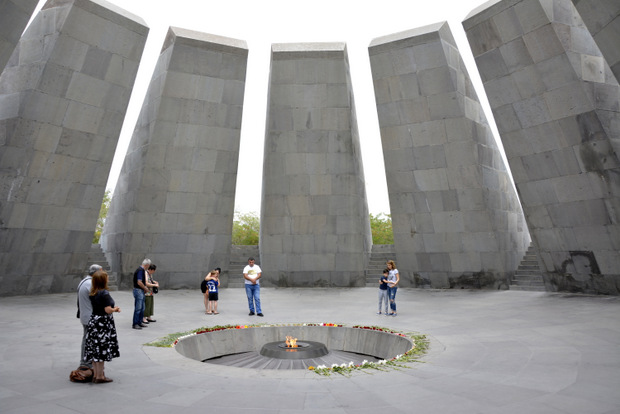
(103, 213)
(246, 227)
(381, 229)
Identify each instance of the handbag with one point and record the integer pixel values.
(155, 289)
(82, 374)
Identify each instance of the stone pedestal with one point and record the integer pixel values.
(456, 217)
(315, 228)
(63, 98)
(174, 201)
(556, 104)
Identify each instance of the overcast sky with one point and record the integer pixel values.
(261, 23)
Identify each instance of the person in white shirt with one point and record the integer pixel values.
(85, 308)
(393, 279)
(252, 273)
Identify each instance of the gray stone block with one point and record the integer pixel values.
(178, 180)
(54, 95)
(446, 178)
(559, 135)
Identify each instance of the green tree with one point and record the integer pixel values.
(381, 228)
(245, 229)
(105, 206)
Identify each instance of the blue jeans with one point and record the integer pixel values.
(138, 312)
(392, 296)
(253, 293)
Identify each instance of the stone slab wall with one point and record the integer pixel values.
(602, 18)
(315, 229)
(63, 98)
(556, 105)
(174, 202)
(14, 16)
(457, 220)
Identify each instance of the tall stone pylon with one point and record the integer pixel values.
(315, 228)
(14, 16)
(63, 99)
(556, 104)
(456, 217)
(602, 19)
(175, 197)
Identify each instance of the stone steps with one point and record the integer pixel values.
(96, 256)
(528, 275)
(379, 255)
(238, 260)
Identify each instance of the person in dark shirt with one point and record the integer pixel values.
(139, 289)
(101, 339)
(383, 292)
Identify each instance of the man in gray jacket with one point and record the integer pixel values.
(85, 308)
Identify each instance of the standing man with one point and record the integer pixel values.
(139, 289)
(85, 308)
(251, 274)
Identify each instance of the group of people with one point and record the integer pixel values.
(144, 286)
(96, 306)
(388, 285)
(95, 309)
(251, 275)
(210, 289)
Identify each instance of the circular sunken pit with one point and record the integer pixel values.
(263, 347)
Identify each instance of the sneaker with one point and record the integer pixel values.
(144, 325)
(260, 314)
(251, 313)
(378, 313)
(136, 327)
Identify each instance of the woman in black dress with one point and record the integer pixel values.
(101, 341)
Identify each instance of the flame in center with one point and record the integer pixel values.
(291, 342)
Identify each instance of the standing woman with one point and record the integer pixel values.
(101, 341)
(393, 279)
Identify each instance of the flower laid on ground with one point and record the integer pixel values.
(420, 346)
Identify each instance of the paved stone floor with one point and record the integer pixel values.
(492, 352)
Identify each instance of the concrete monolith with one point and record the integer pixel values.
(556, 104)
(63, 100)
(174, 201)
(315, 227)
(456, 217)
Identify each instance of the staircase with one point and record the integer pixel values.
(96, 256)
(528, 275)
(380, 254)
(238, 260)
